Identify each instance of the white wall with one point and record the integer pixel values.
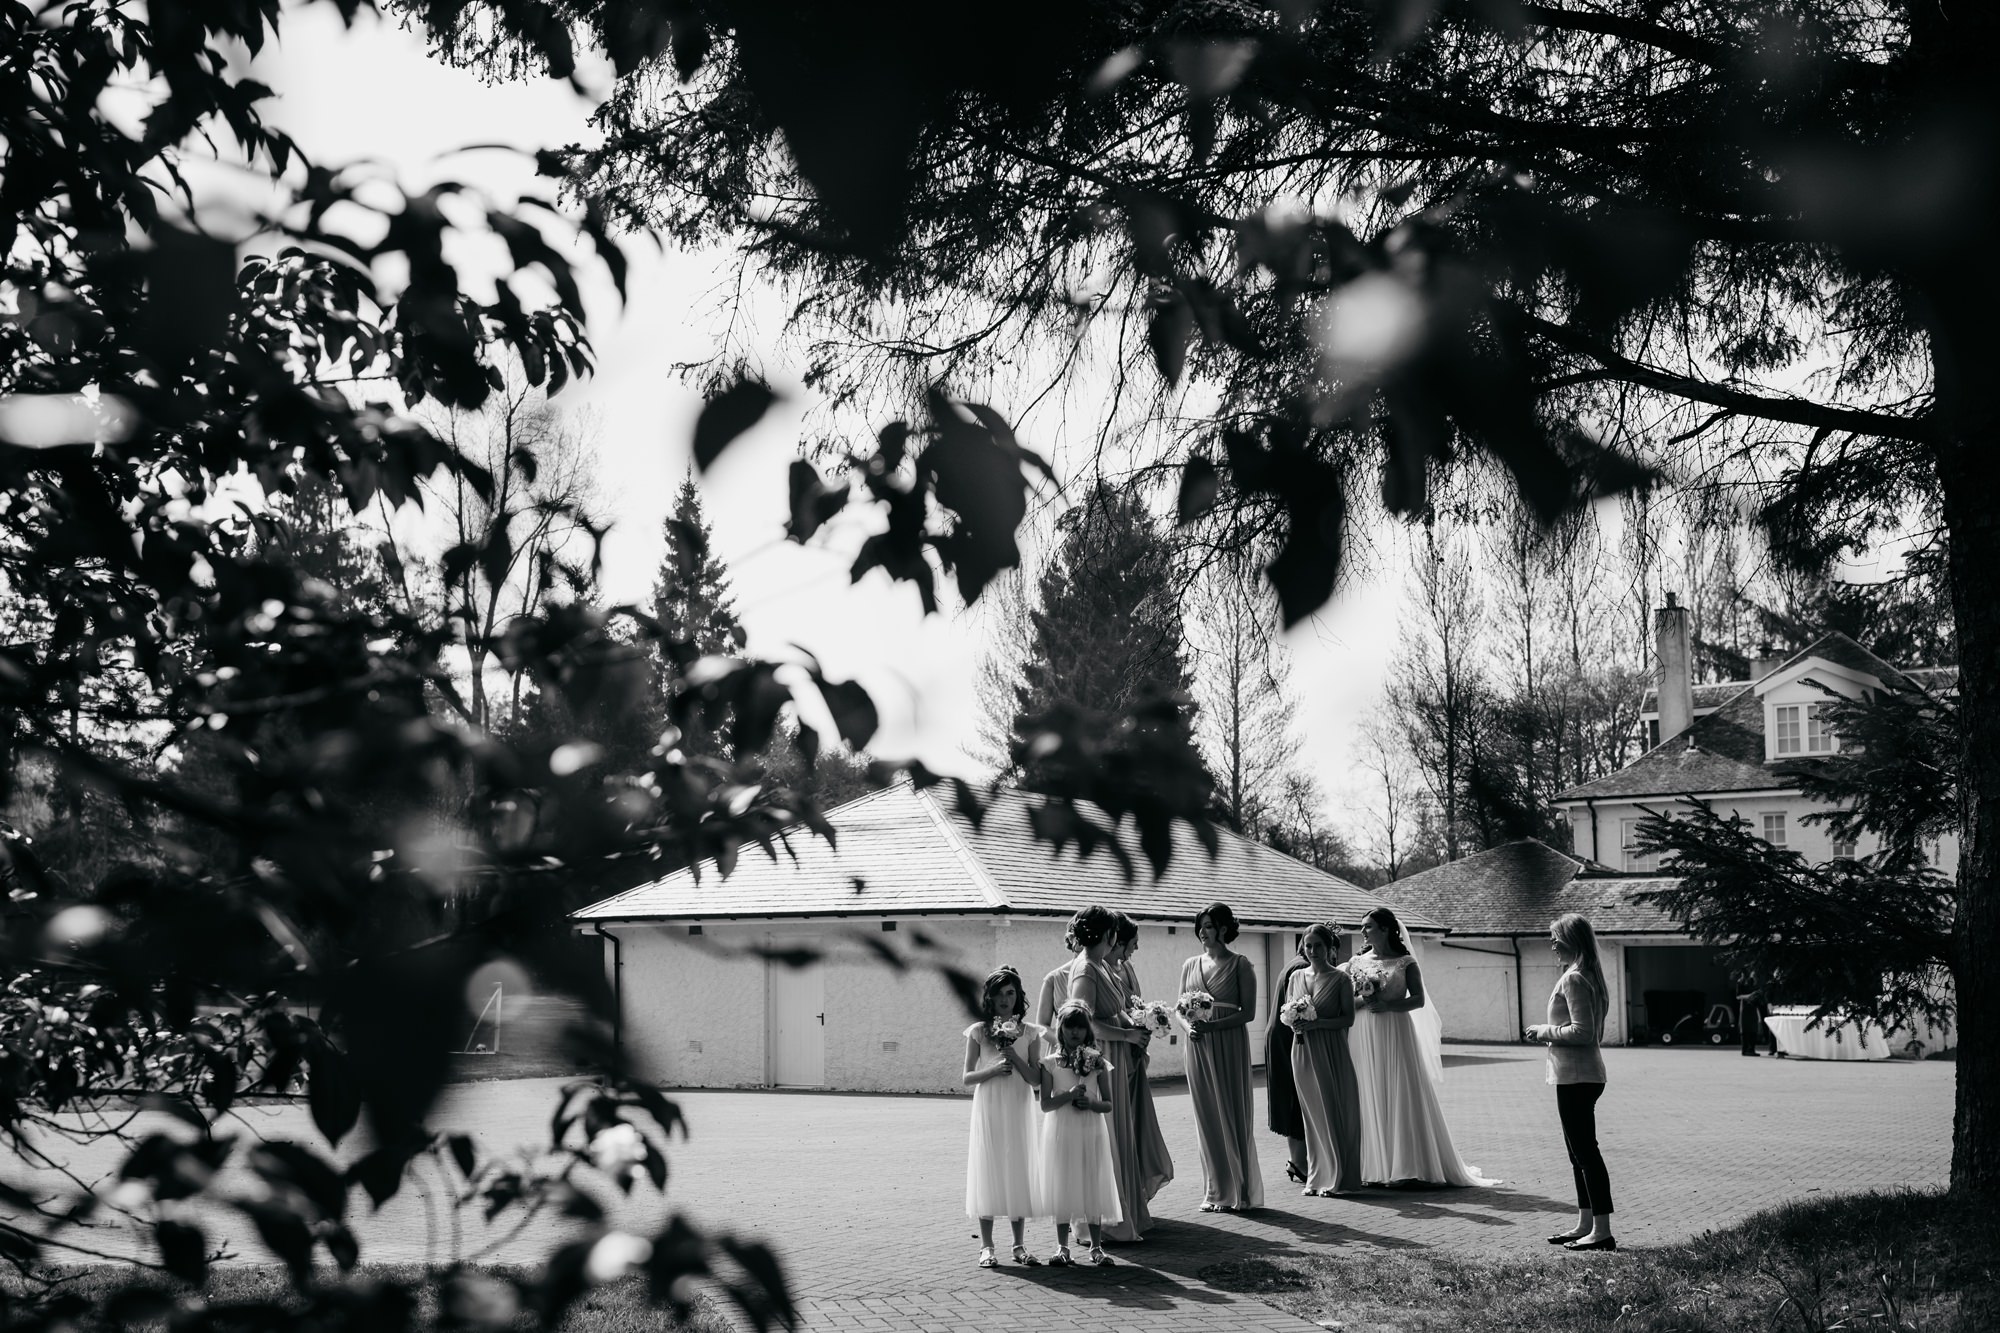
(1475, 992)
(1812, 841)
(681, 991)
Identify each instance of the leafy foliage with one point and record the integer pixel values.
(1858, 940)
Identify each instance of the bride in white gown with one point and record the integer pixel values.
(1395, 1044)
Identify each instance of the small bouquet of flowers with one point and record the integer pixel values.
(1087, 1060)
(1195, 1005)
(1367, 983)
(1152, 1015)
(1004, 1031)
(1297, 1010)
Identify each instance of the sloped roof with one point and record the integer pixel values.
(907, 852)
(1724, 751)
(1707, 697)
(1519, 887)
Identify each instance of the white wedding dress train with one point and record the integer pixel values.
(1398, 1065)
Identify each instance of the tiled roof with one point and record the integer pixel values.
(1707, 697)
(912, 853)
(1518, 888)
(1724, 751)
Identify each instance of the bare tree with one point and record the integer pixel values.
(1437, 691)
(1392, 794)
(528, 541)
(1245, 725)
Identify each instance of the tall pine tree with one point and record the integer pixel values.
(1107, 639)
(691, 599)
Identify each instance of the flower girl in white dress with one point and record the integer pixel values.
(1398, 1065)
(1003, 1069)
(1074, 1177)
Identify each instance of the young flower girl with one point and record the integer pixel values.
(1002, 1067)
(1074, 1176)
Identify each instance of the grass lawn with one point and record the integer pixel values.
(1902, 1261)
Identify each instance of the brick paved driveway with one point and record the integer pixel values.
(862, 1194)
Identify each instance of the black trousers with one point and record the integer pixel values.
(1576, 1103)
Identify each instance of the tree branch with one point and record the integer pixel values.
(1795, 411)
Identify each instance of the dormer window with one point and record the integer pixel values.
(1788, 728)
(1802, 729)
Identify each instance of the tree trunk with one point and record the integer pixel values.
(1971, 481)
(1959, 282)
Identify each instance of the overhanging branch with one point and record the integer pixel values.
(1767, 407)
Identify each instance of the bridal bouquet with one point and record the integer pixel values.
(1004, 1031)
(1196, 1004)
(1297, 1010)
(1150, 1014)
(1367, 983)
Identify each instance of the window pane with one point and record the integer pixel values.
(1628, 834)
(1788, 729)
(1774, 829)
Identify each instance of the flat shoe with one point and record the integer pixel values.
(1025, 1258)
(1565, 1237)
(1213, 1208)
(986, 1259)
(1608, 1243)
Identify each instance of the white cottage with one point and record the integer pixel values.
(698, 1008)
(1736, 745)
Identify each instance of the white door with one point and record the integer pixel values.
(798, 1025)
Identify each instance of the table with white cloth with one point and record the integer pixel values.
(1828, 1041)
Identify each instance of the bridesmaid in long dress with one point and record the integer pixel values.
(1329, 1099)
(1156, 1164)
(1055, 987)
(1281, 1094)
(1093, 983)
(1218, 1063)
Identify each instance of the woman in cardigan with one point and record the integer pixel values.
(1576, 1067)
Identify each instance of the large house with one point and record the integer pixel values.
(1733, 745)
(707, 998)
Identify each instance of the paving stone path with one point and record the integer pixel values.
(862, 1194)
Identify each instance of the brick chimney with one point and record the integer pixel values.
(1676, 683)
(1765, 662)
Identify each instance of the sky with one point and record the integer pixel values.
(373, 94)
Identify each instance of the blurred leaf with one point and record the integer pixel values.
(1201, 483)
(183, 1250)
(727, 415)
(853, 711)
(1168, 332)
(330, 1093)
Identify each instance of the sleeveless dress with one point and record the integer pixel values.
(1218, 1065)
(1156, 1164)
(1000, 1165)
(1328, 1091)
(1074, 1178)
(1403, 1131)
(1052, 995)
(1092, 985)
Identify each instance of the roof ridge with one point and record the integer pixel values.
(982, 878)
